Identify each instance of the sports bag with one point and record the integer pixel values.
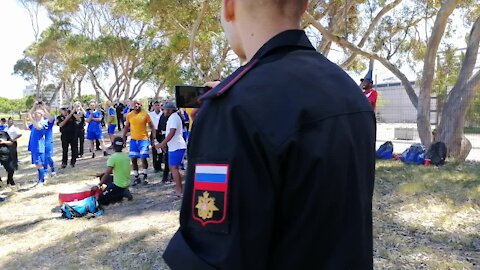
(437, 153)
(415, 154)
(385, 151)
(80, 208)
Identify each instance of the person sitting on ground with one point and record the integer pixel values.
(118, 164)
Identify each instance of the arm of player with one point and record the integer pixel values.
(125, 131)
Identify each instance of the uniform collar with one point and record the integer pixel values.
(290, 38)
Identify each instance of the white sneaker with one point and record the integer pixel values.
(53, 174)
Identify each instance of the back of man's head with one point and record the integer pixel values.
(286, 8)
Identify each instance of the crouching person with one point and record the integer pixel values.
(118, 164)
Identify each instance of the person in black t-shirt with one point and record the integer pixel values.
(69, 136)
(119, 107)
(79, 116)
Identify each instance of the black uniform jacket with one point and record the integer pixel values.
(281, 168)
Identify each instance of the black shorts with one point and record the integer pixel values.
(111, 194)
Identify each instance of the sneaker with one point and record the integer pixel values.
(64, 166)
(93, 155)
(105, 154)
(80, 156)
(73, 165)
(136, 181)
(127, 194)
(11, 182)
(53, 174)
(39, 184)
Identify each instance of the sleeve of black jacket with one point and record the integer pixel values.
(300, 154)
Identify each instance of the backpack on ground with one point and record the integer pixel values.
(80, 208)
(415, 154)
(385, 151)
(437, 153)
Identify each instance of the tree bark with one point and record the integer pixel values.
(193, 35)
(423, 109)
(459, 99)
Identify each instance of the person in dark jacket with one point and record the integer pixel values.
(68, 130)
(279, 176)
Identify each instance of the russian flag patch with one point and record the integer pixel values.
(210, 191)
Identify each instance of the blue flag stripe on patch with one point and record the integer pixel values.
(209, 177)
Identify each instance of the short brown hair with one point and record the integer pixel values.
(288, 8)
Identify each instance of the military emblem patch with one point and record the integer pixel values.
(210, 190)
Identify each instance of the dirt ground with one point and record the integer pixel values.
(424, 218)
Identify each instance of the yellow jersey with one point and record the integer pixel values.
(138, 125)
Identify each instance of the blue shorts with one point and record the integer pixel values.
(38, 158)
(175, 158)
(49, 149)
(94, 135)
(139, 149)
(111, 129)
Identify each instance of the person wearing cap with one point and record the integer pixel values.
(137, 122)
(118, 165)
(176, 145)
(68, 130)
(267, 189)
(371, 94)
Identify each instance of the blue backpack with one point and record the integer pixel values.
(385, 151)
(414, 155)
(81, 208)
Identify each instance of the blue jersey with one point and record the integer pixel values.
(3, 127)
(37, 137)
(94, 126)
(49, 131)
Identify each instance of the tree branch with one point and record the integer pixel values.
(346, 44)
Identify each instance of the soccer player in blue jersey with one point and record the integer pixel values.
(94, 129)
(49, 143)
(38, 127)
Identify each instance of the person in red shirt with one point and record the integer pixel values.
(366, 84)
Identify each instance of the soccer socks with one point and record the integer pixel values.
(41, 175)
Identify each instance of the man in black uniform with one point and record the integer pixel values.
(68, 130)
(80, 125)
(270, 189)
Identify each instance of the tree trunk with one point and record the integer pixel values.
(460, 98)
(423, 109)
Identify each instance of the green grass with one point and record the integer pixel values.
(426, 217)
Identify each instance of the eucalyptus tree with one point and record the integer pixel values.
(410, 33)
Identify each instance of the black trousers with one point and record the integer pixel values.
(121, 124)
(9, 167)
(159, 158)
(15, 155)
(111, 194)
(73, 142)
(81, 141)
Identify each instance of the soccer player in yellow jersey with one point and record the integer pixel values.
(137, 121)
